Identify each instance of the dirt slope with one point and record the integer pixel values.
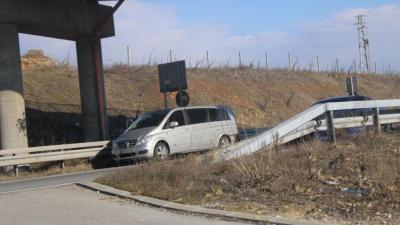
(268, 96)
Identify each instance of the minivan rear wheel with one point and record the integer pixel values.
(224, 142)
(161, 151)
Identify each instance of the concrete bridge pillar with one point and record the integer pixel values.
(93, 100)
(13, 133)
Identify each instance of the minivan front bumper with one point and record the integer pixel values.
(131, 153)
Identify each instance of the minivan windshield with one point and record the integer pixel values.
(148, 119)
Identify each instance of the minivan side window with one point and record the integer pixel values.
(178, 117)
(197, 116)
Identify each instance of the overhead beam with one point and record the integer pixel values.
(57, 18)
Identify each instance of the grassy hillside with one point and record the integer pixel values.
(260, 98)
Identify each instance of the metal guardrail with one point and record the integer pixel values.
(14, 157)
(305, 123)
(300, 125)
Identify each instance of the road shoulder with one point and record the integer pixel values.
(192, 209)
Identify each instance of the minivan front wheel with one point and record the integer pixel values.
(224, 142)
(161, 151)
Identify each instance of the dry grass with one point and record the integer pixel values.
(304, 181)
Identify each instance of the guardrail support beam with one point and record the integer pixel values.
(331, 126)
(377, 123)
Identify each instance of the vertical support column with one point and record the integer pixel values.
(331, 126)
(13, 133)
(377, 122)
(93, 99)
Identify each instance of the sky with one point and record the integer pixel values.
(304, 29)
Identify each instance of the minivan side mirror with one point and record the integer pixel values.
(128, 122)
(173, 124)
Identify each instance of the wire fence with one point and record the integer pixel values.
(265, 62)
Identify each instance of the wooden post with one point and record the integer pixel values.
(165, 101)
(337, 65)
(331, 126)
(377, 123)
(240, 60)
(208, 61)
(128, 51)
(318, 64)
(355, 66)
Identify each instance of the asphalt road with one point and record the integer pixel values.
(71, 178)
(56, 200)
(74, 205)
(51, 181)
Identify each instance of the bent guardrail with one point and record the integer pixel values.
(305, 123)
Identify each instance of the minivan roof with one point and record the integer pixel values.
(191, 107)
(201, 107)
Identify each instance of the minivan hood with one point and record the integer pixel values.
(134, 134)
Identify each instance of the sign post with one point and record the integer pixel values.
(352, 86)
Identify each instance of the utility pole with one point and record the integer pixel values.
(266, 60)
(363, 45)
(318, 64)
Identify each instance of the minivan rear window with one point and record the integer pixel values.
(218, 114)
(197, 116)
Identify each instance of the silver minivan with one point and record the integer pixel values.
(160, 134)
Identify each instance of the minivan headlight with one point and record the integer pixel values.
(143, 141)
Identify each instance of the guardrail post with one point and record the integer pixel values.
(16, 172)
(62, 164)
(377, 123)
(331, 126)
